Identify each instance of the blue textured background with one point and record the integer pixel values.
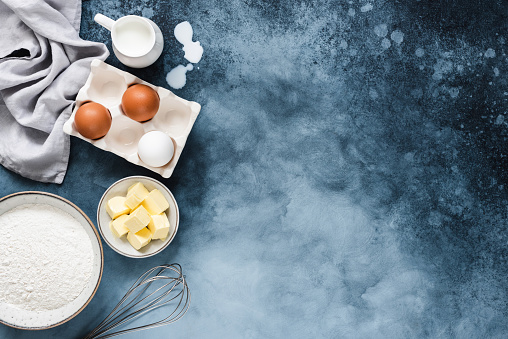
(338, 183)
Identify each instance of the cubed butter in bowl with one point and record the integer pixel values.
(135, 195)
(137, 220)
(117, 226)
(116, 207)
(159, 226)
(138, 216)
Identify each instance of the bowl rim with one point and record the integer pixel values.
(113, 247)
(55, 196)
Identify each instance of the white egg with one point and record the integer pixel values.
(155, 149)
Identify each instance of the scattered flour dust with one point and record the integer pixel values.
(46, 257)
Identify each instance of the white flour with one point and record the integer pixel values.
(46, 257)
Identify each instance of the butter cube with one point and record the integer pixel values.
(135, 195)
(137, 220)
(116, 207)
(139, 189)
(140, 238)
(159, 226)
(155, 203)
(117, 226)
(133, 201)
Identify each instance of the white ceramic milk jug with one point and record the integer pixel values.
(137, 41)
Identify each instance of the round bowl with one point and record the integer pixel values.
(40, 320)
(121, 245)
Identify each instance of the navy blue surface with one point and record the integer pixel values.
(346, 177)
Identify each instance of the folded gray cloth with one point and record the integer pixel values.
(43, 64)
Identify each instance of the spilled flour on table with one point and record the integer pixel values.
(176, 78)
(46, 260)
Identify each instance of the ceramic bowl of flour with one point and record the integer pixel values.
(51, 263)
(121, 245)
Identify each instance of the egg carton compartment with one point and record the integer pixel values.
(106, 85)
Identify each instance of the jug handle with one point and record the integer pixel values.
(104, 21)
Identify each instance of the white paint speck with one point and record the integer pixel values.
(351, 12)
(381, 30)
(385, 43)
(343, 44)
(490, 53)
(419, 52)
(496, 71)
(397, 36)
(366, 8)
(499, 119)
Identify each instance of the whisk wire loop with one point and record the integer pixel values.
(145, 296)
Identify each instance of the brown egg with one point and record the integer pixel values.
(140, 102)
(92, 120)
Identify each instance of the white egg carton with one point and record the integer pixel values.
(106, 85)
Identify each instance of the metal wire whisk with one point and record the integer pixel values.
(160, 286)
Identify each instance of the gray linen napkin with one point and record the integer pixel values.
(43, 64)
